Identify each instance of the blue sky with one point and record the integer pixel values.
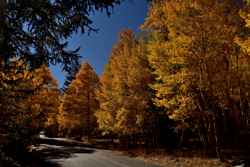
(96, 47)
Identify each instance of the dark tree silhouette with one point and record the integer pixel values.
(37, 30)
(71, 75)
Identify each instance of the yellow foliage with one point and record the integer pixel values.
(79, 103)
(194, 54)
(124, 94)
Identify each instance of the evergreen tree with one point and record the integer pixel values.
(37, 30)
(79, 104)
(43, 104)
(35, 33)
(25, 106)
(124, 95)
(71, 75)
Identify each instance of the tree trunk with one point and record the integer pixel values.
(217, 138)
(181, 138)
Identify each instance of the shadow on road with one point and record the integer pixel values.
(51, 152)
(44, 163)
(46, 155)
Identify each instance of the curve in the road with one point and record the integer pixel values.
(79, 156)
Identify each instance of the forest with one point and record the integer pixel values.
(183, 81)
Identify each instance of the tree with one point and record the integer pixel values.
(37, 31)
(14, 88)
(43, 105)
(71, 75)
(79, 103)
(24, 105)
(199, 65)
(125, 98)
(106, 114)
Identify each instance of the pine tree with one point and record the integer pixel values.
(32, 34)
(25, 106)
(43, 104)
(79, 104)
(71, 75)
(15, 87)
(106, 114)
(37, 31)
(124, 94)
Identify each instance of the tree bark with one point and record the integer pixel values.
(217, 138)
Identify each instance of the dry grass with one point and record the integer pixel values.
(173, 161)
(177, 159)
